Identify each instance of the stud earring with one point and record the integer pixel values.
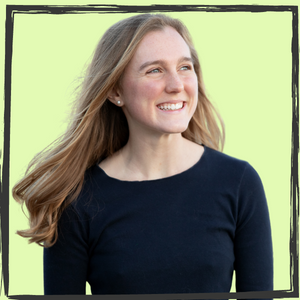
(119, 102)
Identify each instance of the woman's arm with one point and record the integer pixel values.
(66, 262)
(253, 243)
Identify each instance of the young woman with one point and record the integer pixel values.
(136, 198)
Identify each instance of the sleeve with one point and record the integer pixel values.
(66, 262)
(253, 242)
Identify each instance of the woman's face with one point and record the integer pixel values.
(159, 86)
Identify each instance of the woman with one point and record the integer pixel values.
(135, 198)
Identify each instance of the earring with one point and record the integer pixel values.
(119, 102)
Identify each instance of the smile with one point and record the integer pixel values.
(170, 106)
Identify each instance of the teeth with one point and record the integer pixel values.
(171, 106)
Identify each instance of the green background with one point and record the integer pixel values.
(246, 64)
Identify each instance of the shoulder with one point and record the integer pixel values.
(222, 163)
(229, 170)
(90, 198)
(223, 159)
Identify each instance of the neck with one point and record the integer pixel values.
(164, 156)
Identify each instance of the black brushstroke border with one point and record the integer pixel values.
(11, 10)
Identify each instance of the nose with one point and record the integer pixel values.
(174, 83)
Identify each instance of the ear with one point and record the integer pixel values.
(115, 97)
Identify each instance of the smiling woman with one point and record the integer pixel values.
(136, 197)
(159, 94)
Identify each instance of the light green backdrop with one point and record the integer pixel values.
(246, 63)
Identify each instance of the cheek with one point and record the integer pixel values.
(192, 91)
(143, 93)
(191, 86)
(193, 81)
(137, 98)
(150, 90)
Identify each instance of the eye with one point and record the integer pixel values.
(153, 71)
(186, 67)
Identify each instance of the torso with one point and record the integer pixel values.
(182, 234)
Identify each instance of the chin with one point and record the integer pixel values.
(175, 129)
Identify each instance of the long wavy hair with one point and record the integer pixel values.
(98, 128)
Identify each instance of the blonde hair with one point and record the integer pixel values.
(98, 128)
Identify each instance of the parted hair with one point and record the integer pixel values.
(98, 128)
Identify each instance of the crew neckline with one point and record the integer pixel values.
(158, 179)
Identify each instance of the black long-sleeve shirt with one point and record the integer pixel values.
(181, 234)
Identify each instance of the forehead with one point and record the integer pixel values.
(165, 44)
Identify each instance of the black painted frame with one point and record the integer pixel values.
(11, 10)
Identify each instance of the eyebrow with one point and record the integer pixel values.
(162, 62)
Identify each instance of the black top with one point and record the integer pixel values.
(181, 234)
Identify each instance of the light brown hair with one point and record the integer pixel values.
(98, 128)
